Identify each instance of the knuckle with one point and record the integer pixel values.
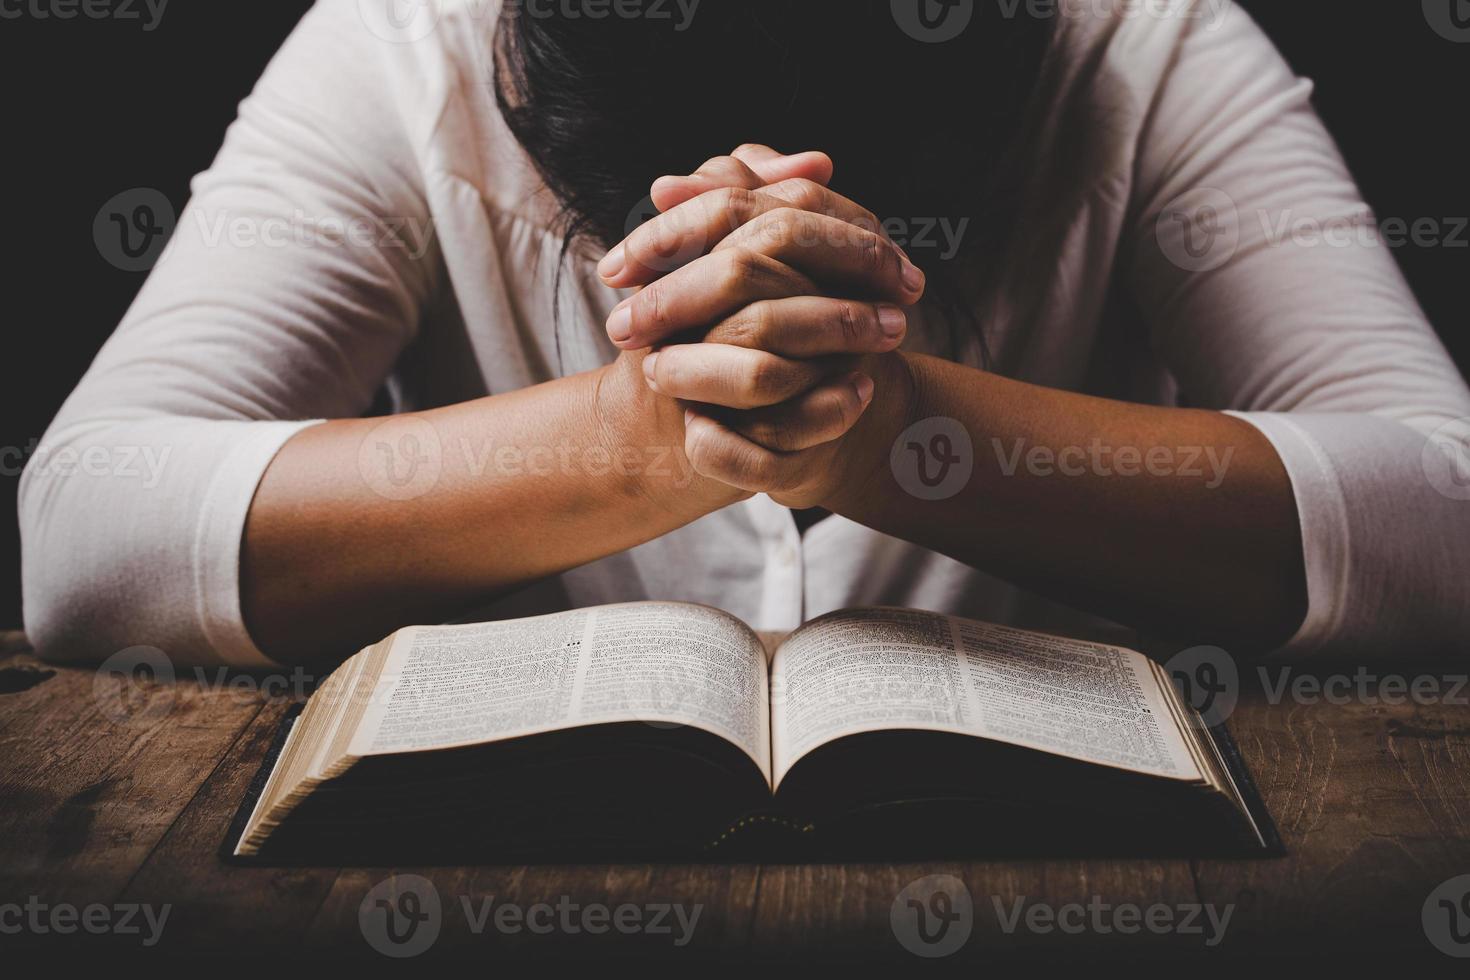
(734, 201)
(776, 278)
(763, 233)
(741, 265)
(806, 194)
(755, 325)
(660, 237)
(718, 166)
(776, 435)
(776, 441)
(785, 474)
(786, 224)
(758, 150)
(764, 433)
(650, 310)
(872, 256)
(735, 461)
(767, 322)
(786, 215)
(852, 323)
(764, 378)
(747, 267)
(758, 466)
(842, 413)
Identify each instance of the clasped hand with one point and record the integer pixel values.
(771, 309)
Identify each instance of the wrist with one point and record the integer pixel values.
(862, 464)
(643, 434)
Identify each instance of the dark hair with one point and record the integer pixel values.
(918, 131)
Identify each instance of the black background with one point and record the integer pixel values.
(95, 107)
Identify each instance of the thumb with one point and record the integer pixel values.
(773, 166)
(761, 165)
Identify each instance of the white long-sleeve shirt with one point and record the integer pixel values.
(370, 220)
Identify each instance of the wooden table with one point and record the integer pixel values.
(119, 793)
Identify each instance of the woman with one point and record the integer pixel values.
(585, 410)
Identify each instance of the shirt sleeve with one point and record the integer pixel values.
(1271, 290)
(293, 281)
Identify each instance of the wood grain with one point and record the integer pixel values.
(96, 769)
(122, 790)
(1373, 801)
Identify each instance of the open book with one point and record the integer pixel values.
(662, 729)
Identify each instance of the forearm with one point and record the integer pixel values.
(361, 526)
(1177, 521)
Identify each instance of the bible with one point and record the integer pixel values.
(665, 730)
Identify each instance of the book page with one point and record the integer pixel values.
(663, 663)
(874, 669)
